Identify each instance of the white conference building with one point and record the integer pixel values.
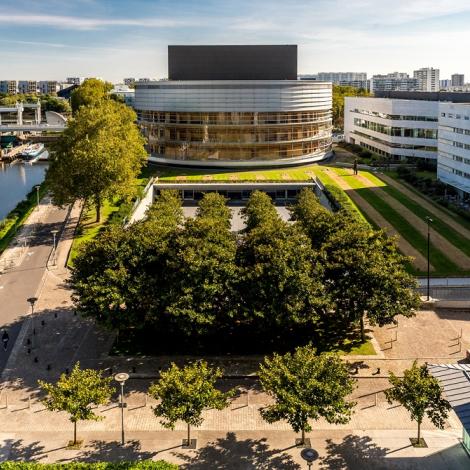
(394, 128)
(453, 161)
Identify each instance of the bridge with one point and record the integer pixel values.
(32, 127)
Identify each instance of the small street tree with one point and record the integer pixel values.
(185, 392)
(76, 393)
(306, 386)
(421, 395)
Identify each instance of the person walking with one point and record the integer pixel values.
(5, 339)
(355, 166)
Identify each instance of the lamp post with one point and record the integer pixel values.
(309, 455)
(54, 233)
(32, 301)
(429, 222)
(37, 194)
(121, 379)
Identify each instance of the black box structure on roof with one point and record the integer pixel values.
(274, 62)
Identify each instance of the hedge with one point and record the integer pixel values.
(339, 201)
(138, 465)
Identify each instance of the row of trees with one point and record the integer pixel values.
(101, 152)
(305, 386)
(316, 277)
(48, 102)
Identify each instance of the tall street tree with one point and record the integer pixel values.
(92, 92)
(184, 393)
(98, 156)
(306, 386)
(77, 393)
(421, 395)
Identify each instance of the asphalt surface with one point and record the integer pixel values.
(24, 281)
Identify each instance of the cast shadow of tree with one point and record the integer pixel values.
(230, 453)
(354, 452)
(16, 451)
(104, 451)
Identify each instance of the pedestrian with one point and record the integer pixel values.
(355, 166)
(5, 339)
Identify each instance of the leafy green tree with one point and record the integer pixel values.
(366, 278)
(420, 394)
(185, 392)
(202, 269)
(339, 93)
(306, 386)
(53, 103)
(120, 277)
(92, 92)
(280, 279)
(98, 156)
(76, 393)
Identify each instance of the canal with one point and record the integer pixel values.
(16, 181)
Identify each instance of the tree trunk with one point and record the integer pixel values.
(363, 335)
(303, 437)
(419, 430)
(74, 433)
(98, 208)
(189, 435)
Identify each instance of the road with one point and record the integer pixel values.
(24, 281)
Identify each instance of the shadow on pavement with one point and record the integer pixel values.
(354, 452)
(230, 453)
(16, 451)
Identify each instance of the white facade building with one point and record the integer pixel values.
(395, 81)
(428, 79)
(453, 162)
(354, 79)
(394, 128)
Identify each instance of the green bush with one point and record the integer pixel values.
(141, 465)
(340, 201)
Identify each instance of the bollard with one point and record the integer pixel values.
(29, 350)
(43, 322)
(55, 314)
(133, 369)
(36, 359)
(28, 341)
(247, 398)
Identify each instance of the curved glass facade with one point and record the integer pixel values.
(298, 130)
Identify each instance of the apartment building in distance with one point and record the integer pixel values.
(49, 87)
(397, 129)
(457, 79)
(395, 81)
(453, 161)
(354, 79)
(9, 87)
(428, 79)
(130, 82)
(28, 87)
(75, 80)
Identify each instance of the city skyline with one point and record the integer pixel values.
(114, 40)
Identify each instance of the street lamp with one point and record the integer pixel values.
(309, 455)
(121, 379)
(37, 194)
(54, 259)
(32, 301)
(429, 222)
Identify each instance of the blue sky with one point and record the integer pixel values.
(113, 39)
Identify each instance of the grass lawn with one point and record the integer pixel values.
(88, 228)
(362, 349)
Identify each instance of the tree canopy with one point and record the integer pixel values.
(92, 92)
(76, 393)
(184, 393)
(306, 386)
(98, 156)
(420, 394)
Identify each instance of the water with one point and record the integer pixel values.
(16, 181)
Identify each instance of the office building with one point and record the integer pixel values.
(395, 81)
(428, 79)
(354, 79)
(453, 162)
(9, 87)
(234, 106)
(28, 87)
(458, 79)
(397, 129)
